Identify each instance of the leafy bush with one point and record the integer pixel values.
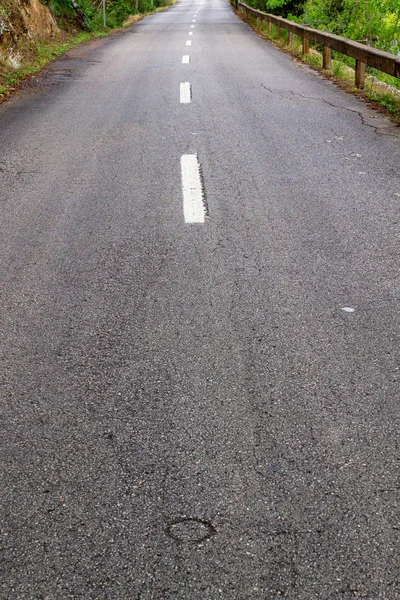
(283, 8)
(63, 11)
(377, 21)
(73, 12)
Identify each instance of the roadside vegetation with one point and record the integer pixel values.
(373, 22)
(25, 46)
(36, 56)
(88, 14)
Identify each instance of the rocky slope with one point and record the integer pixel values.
(21, 21)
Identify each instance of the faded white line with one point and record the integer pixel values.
(185, 93)
(190, 32)
(192, 26)
(185, 59)
(189, 43)
(193, 205)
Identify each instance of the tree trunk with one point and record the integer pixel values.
(83, 22)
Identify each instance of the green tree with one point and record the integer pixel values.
(377, 21)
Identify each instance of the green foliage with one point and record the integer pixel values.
(283, 8)
(62, 10)
(3, 11)
(45, 52)
(337, 69)
(117, 11)
(385, 97)
(377, 21)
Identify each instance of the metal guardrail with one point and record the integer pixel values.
(364, 55)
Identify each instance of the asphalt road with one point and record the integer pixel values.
(198, 410)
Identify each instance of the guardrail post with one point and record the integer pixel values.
(306, 45)
(397, 68)
(327, 57)
(360, 74)
(269, 27)
(290, 37)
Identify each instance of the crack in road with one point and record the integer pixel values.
(379, 130)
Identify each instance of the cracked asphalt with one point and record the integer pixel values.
(198, 411)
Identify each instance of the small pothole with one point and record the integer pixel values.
(190, 530)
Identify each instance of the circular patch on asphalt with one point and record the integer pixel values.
(190, 530)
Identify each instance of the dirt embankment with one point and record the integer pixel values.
(21, 21)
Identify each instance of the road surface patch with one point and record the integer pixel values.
(190, 530)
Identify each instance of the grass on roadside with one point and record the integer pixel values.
(40, 55)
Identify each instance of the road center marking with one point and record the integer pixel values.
(192, 189)
(190, 32)
(192, 26)
(185, 59)
(185, 93)
(189, 43)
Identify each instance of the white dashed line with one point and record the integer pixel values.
(193, 20)
(348, 309)
(190, 32)
(185, 59)
(185, 93)
(189, 43)
(192, 26)
(193, 205)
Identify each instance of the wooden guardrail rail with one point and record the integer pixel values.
(364, 55)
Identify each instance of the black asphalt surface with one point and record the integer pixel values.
(188, 412)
